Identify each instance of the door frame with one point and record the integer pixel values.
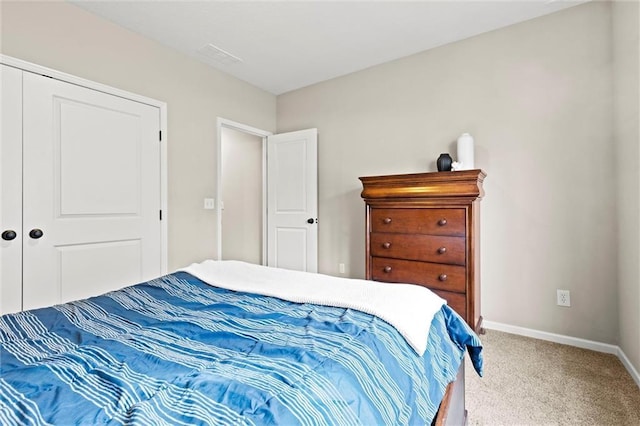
(219, 196)
(162, 107)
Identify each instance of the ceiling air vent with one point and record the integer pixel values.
(218, 55)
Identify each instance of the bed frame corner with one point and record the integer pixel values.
(452, 411)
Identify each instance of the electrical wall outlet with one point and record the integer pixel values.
(209, 204)
(563, 298)
(341, 268)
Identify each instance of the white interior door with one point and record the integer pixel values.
(11, 190)
(92, 187)
(292, 198)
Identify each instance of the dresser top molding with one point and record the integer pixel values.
(463, 184)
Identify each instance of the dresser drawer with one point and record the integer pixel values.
(432, 275)
(419, 221)
(429, 248)
(456, 301)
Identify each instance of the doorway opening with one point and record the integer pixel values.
(241, 192)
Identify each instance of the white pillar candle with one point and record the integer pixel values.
(465, 152)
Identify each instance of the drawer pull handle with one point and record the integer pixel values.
(387, 269)
(387, 220)
(442, 277)
(442, 250)
(442, 222)
(386, 245)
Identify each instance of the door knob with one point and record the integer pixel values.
(310, 220)
(36, 233)
(9, 235)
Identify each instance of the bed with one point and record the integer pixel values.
(224, 342)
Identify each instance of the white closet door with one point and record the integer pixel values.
(92, 187)
(11, 190)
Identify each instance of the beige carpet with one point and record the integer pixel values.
(534, 382)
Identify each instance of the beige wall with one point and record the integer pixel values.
(626, 55)
(537, 97)
(66, 38)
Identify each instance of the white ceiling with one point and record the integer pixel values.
(285, 45)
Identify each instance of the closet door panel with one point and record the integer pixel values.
(11, 189)
(92, 186)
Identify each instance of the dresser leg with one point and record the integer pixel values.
(479, 328)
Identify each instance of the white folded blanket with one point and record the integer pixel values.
(407, 307)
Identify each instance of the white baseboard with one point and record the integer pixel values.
(630, 368)
(567, 340)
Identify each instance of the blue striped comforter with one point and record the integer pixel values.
(178, 351)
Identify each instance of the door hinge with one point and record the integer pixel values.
(160, 214)
(160, 135)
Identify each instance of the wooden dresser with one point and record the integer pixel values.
(424, 229)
